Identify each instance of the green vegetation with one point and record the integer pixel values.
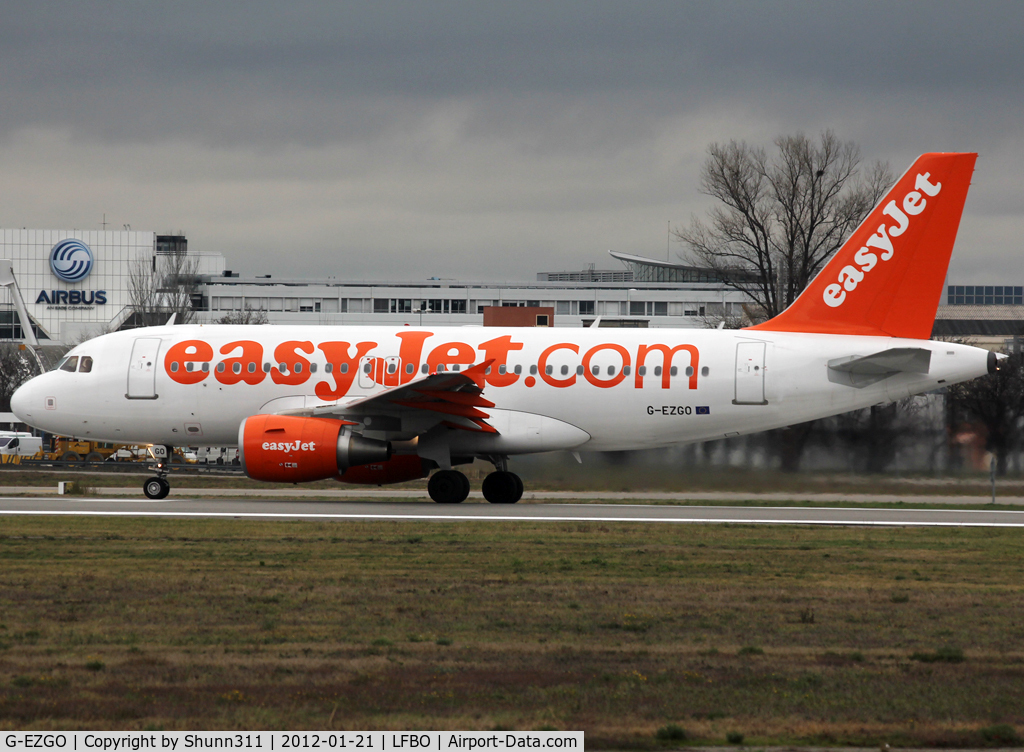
(671, 733)
(135, 623)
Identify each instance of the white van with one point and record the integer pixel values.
(21, 443)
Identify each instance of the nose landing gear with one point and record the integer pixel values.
(157, 487)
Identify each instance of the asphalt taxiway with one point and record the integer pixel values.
(269, 508)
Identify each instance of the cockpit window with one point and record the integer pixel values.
(85, 365)
(70, 364)
(4, 442)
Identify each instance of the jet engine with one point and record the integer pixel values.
(398, 469)
(287, 449)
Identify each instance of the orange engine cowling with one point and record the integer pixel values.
(398, 469)
(286, 449)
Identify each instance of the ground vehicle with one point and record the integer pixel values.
(75, 450)
(214, 455)
(386, 404)
(19, 444)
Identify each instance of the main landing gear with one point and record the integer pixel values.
(448, 487)
(500, 487)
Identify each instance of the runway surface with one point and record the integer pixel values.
(420, 494)
(277, 509)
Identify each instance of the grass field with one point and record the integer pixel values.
(783, 635)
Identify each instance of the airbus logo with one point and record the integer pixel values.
(71, 260)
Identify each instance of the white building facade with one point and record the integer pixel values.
(80, 283)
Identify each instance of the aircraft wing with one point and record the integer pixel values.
(451, 398)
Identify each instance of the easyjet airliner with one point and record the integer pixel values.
(387, 404)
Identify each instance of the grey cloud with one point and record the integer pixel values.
(478, 138)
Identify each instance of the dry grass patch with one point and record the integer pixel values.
(618, 630)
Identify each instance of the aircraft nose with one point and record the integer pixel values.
(21, 401)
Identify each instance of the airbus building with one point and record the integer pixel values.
(81, 283)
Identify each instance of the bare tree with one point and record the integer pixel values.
(143, 293)
(873, 435)
(160, 286)
(178, 284)
(15, 369)
(781, 217)
(997, 403)
(249, 316)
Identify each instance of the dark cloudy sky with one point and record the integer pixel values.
(480, 139)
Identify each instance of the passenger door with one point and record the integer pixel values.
(750, 374)
(142, 369)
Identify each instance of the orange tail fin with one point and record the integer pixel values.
(887, 278)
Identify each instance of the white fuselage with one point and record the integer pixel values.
(742, 381)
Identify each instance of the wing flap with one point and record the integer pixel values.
(453, 398)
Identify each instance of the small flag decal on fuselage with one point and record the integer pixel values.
(703, 410)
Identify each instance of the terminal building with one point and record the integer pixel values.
(80, 283)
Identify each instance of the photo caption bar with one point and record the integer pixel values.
(279, 741)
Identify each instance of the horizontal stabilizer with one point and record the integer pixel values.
(894, 360)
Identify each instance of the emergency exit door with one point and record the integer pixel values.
(750, 374)
(142, 369)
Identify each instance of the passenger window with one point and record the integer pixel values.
(70, 364)
(85, 364)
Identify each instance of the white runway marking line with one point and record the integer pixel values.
(901, 510)
(82, 500)
(505, 518)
